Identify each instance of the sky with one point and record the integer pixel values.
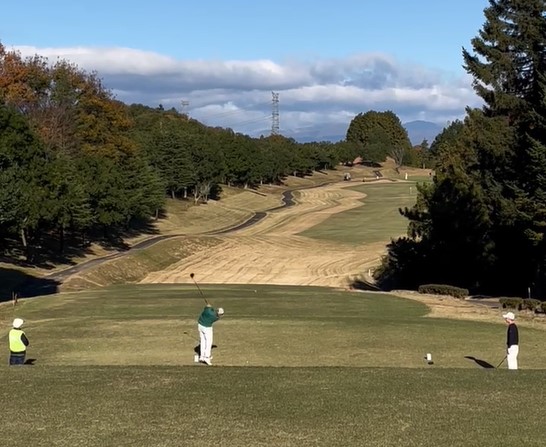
(220, 60)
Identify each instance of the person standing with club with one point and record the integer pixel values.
(512, 340)
(18, 343)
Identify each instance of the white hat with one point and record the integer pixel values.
(220, 311)
(509, 316)
(17, 323)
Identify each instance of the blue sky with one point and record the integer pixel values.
(328, 60)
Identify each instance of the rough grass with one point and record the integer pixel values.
(136, 265)
(295, 366)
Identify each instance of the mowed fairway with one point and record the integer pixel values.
(333, 234)
(294, 366)
(376, 220)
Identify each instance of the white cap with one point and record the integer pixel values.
(509, 316)
(220, 311)
(17, 323)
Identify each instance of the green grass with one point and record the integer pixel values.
(377, 220)
(294, 366)
(200, 406)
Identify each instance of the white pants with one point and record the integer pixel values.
(512, 357)
(205, 339)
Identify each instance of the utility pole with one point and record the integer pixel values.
(275, 114)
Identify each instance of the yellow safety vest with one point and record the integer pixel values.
(15, 341)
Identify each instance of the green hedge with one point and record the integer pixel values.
(531, 304)
(443, 289)
(511, 303)
(521, 303)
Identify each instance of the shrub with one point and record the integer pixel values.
(511, 303)
(443, 289)
(530, 304)
(543, 306)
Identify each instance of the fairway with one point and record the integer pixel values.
(263, 326)
(376, 220)
(294, 366)
(334, 234)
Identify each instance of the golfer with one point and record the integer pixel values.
(18, 343)
(204, 325)
(512, 340)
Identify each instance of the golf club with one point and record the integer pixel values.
(192, 276)
(502, 361)
(193, 338)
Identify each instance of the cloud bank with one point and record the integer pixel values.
(317, 97)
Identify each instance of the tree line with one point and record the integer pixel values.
(481, 223)
(77, 165)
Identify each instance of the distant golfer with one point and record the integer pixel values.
(512, 340)
(204, 325)
(18, 343)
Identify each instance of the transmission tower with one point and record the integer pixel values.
(185, 106)
(275, 114)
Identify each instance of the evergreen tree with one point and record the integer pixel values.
(487, 204)
(378, 134)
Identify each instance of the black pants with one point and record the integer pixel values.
(17, 358)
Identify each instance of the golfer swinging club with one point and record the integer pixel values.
(204, 325)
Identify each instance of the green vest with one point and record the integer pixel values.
(15, 342)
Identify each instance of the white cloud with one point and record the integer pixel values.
(313, 94)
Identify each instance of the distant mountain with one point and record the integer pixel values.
(326, 132)
(417, 132)
(421, 130)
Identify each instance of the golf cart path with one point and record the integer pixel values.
(273, 252)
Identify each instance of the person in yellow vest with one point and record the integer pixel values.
(18, 343)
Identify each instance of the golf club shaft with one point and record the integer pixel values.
(193, 338)
(199, 288)
(502, 361)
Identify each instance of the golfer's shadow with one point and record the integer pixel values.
(197, 349)
(480, 362)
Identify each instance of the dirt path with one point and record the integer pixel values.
(272, 252)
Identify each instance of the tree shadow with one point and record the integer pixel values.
(480, 362)
(13, 281)
(360, 284)
(45, 252)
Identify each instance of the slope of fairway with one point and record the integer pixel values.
(273, 251)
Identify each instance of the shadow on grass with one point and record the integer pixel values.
(197, 349)
(24, 285)
(30, 361)
(360, 284)
(480, 362)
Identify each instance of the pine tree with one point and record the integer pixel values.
(509, 69)
(487, 205)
